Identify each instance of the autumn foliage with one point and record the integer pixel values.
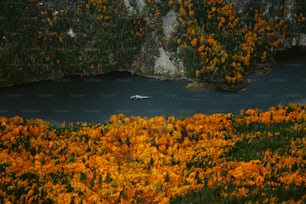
(254, 156)
(223, 44)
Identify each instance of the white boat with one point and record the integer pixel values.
(137, 97)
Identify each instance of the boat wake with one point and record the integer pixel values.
(138, 97)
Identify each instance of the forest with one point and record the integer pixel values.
(215, 42)
(252, 157)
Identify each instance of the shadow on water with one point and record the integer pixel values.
(293, 54)
(94, 99)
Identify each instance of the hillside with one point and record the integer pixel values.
(214, 41)
(252, 157)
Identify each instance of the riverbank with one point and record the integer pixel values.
(258, 69)
(148, 38)
(194, 83)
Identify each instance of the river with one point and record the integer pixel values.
(94, 99)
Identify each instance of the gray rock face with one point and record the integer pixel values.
(165, 66)
(302, 40)
(154, 59)
(170, 23)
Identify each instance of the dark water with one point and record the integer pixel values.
(94, 99)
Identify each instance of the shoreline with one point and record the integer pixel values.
(260, 69)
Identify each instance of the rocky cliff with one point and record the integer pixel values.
(214, 41)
